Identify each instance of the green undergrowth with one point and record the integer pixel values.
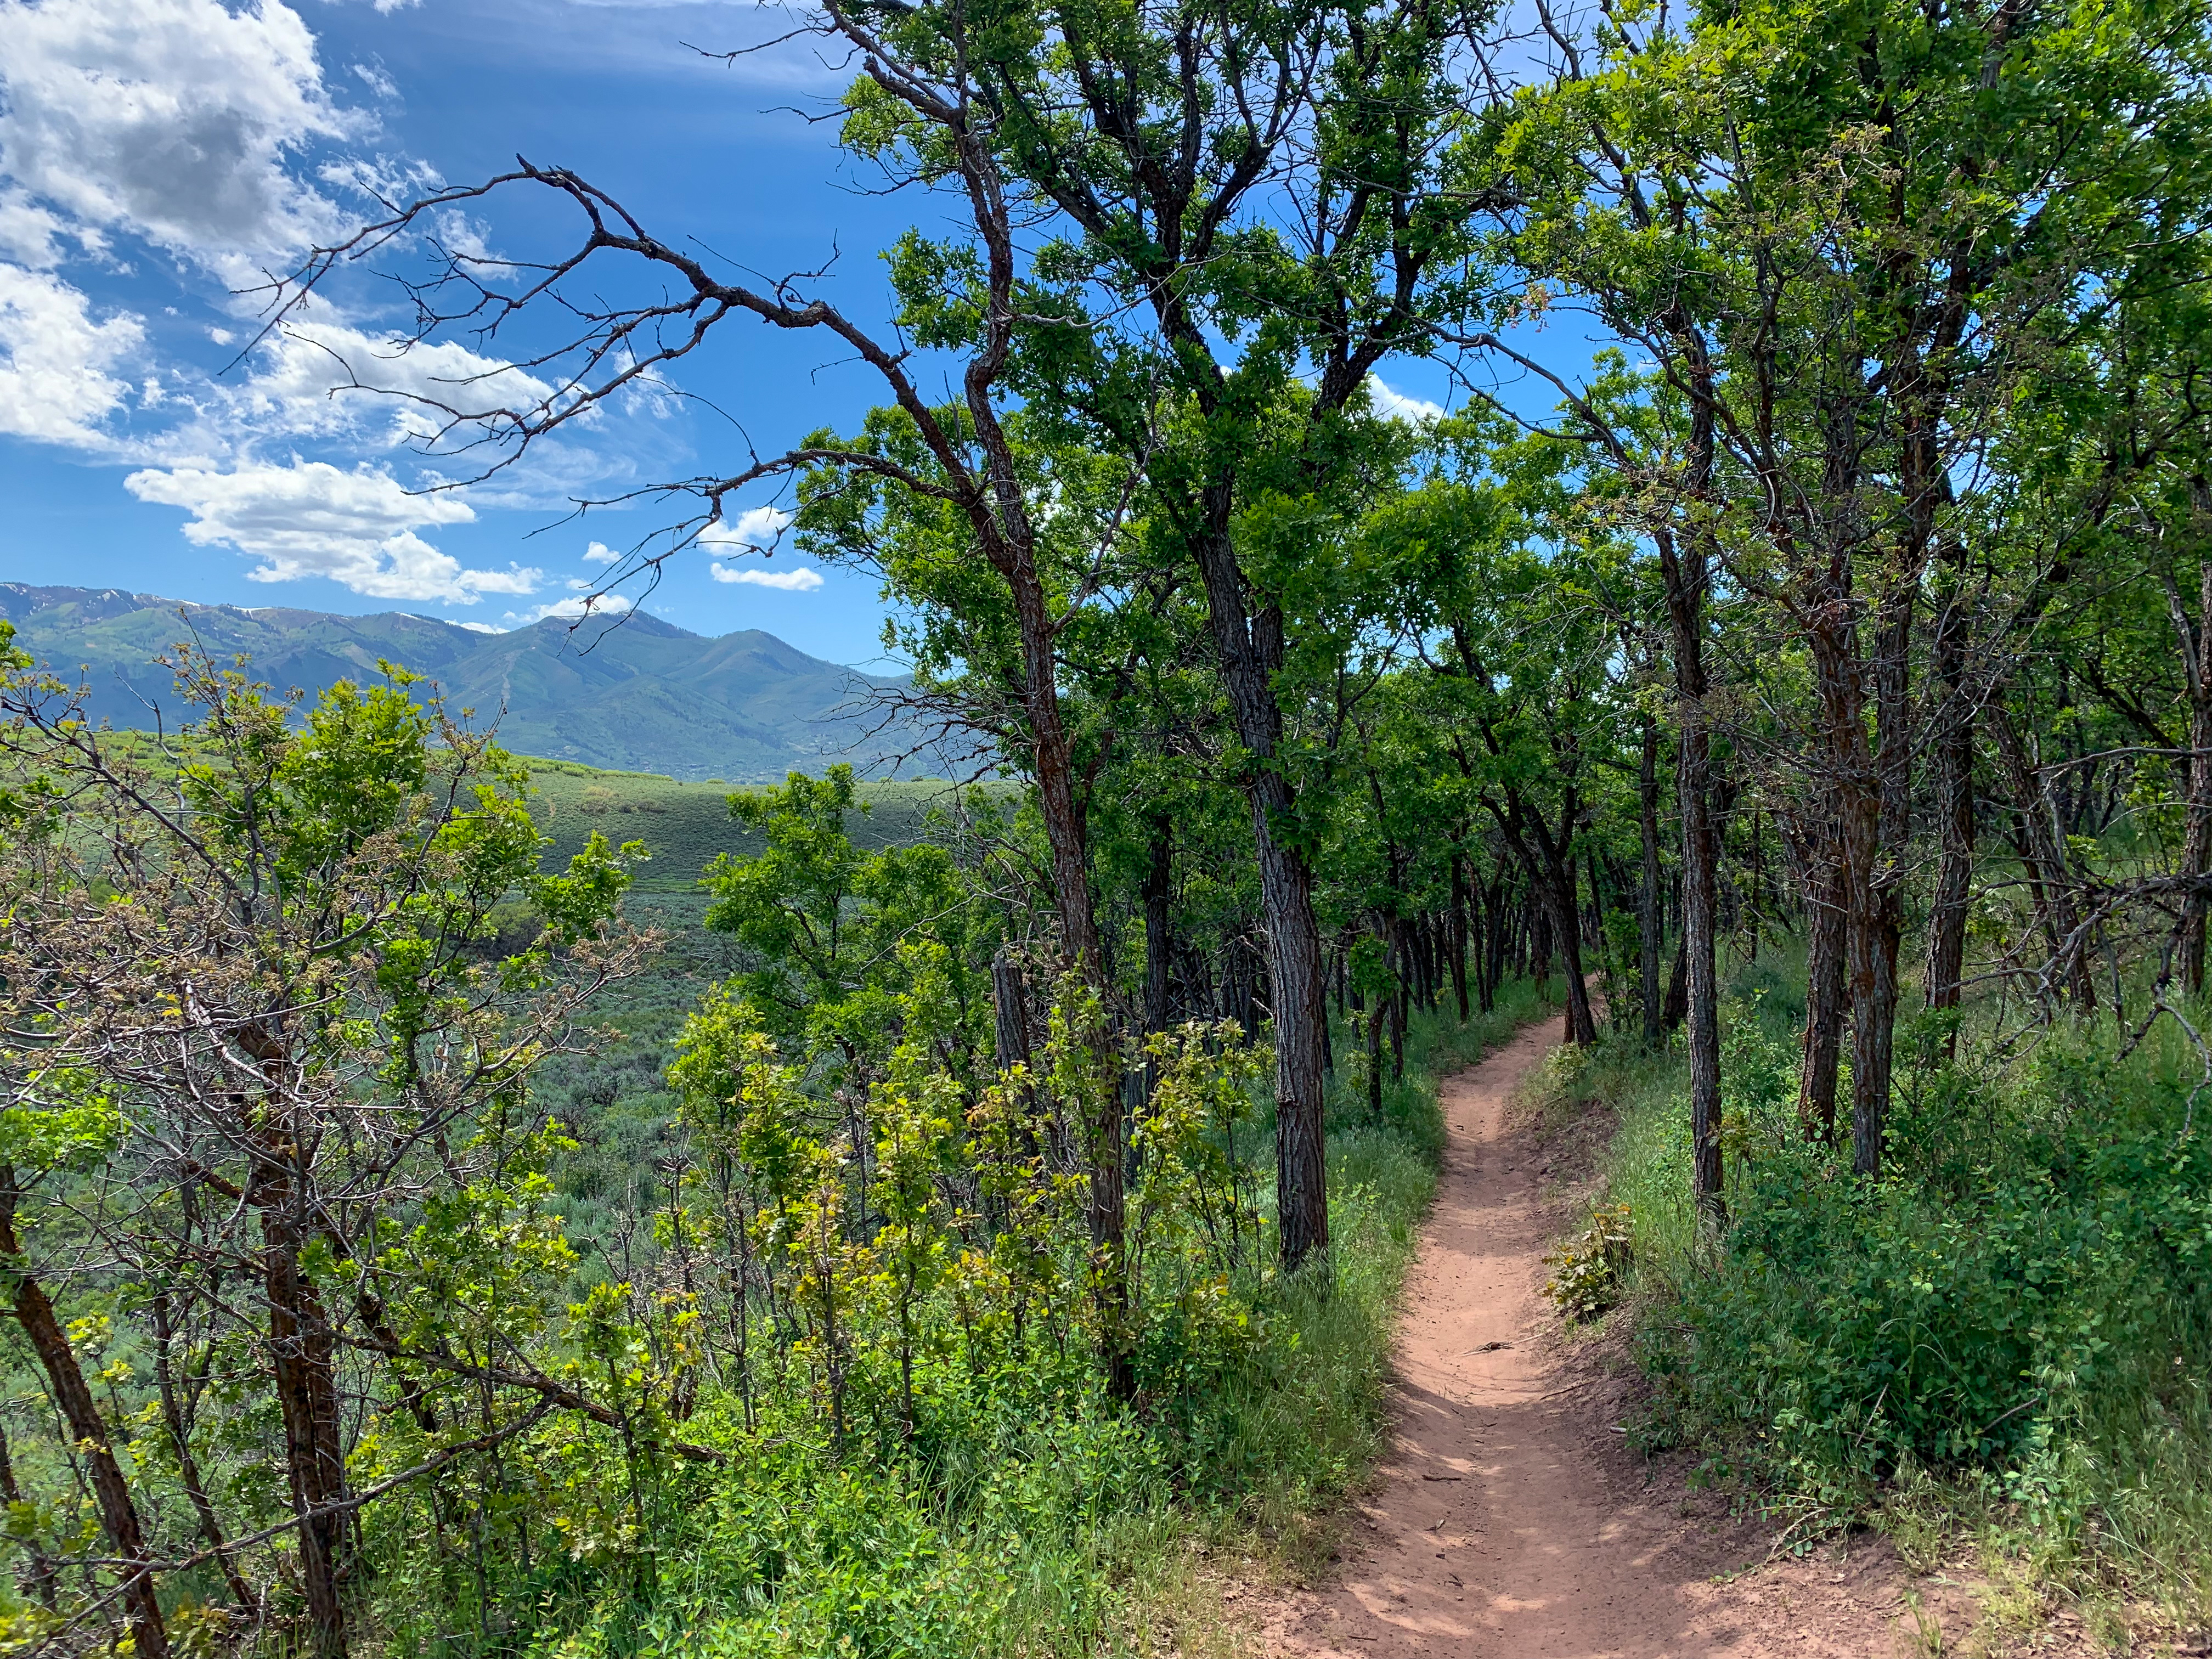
(1025, 1515)
(2007, 1339)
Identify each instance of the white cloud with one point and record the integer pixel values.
(172, 118)
(603, 605)
(326, 382)
(1397, 406)
(798, 580)
(373, 76)
(601, 553)
(309, 519)
(56, 361)
(321, 378)
(755, 530)
(208, 129)
(480, 628)
(30, 234)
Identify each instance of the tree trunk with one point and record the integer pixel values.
(2044, 856)
(1496, 938)
(1873, 1014)
(1856, 783)
(1159, 926)
(1458, 938)
(1249, 648)
(1647, 898)
(1374, 1019)
(1300, 1010)
(1401, 934)
(2196, 643)
(1155, 891)
(1064, 825)
(306, 1396)
(173, 1417)
(118, 1514)
(1954, 798)
(1676, 1008)
(1010, 1019)
(1596, 913)
(1237, 992)
(1826, 940)
(1684, 579)
(1551, 868)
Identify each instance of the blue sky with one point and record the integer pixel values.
(157, 156)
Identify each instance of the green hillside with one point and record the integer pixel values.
(685, 825)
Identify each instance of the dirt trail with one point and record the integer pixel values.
(1509, 1520)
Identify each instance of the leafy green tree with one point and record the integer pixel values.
(1846, 258)
(262, 938)
(836, 935)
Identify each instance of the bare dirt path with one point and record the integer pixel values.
(1509, 1520)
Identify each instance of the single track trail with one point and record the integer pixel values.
(1509, 1520)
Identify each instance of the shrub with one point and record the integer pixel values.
(2020, 1310)
(1590, 1272)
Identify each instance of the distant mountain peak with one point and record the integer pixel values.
(604, 621)
(636, 693)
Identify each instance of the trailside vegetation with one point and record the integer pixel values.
(408, 1251)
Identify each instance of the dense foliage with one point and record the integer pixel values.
(2009, 1332)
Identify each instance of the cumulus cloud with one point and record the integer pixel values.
(756, 530)
(208, 130)
(601, 553)
(310, 519)
(171, 118)
(57, 362)
(31, 235)
(1397, 406)
(800, 579)
(324, 378)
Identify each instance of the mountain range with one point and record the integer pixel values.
(635, 693)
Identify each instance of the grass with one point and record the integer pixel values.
(684, 825)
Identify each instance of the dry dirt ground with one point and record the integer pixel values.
(1510, 1520)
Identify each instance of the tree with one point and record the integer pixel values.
(255, 1029)
(1844, 263)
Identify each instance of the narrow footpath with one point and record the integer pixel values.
(1509, 1520)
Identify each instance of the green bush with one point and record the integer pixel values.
(1590, 1272)
(2020, 1310)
